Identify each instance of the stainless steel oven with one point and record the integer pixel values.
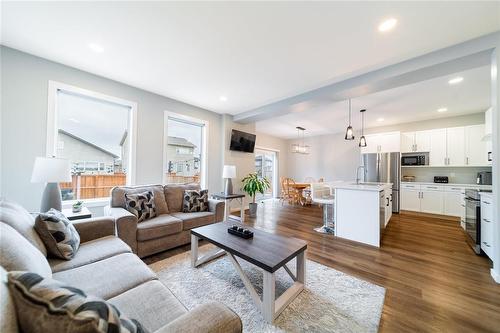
(473, 219)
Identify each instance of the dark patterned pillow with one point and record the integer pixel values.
(141, 205)
(47, 305)
(195, 201)
(58, 234)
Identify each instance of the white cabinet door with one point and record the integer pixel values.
(423, 141)
(372, 144)
(431, 202)
(487, 227)
(438, 147)
(455, 146)
(410, 200)
(475, 148)
(390, 142)
(408, 142)
(388, 205)
(453, 203)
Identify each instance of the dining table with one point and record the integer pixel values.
(299, 188)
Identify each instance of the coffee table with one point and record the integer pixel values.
(265, 250)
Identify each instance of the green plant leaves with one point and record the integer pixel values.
(252, 184)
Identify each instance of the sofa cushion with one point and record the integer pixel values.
(118, 196)
(17, 254)
(58, 234)
(159, 226)
(92, 251)
(8, 322)
(174, 194)
(152, 303)
(193, 220)
(22, 221)
(195, 201)
(108, 277)
(47, 305)
(142, 205)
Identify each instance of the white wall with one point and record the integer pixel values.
(281, 147)
(24, 119)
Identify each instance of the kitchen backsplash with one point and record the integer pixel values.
(463, 175)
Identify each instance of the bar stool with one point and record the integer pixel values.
(321, 194)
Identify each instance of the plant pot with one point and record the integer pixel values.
(252, 209)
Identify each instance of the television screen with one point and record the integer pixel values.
(241, 141)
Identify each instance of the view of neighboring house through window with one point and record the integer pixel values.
(94, 135)
(184, 151)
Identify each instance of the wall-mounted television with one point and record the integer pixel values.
(242, 141)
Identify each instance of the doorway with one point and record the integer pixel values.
(266, 166)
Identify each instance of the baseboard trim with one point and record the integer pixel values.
(495, 276)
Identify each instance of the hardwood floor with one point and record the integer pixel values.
(434, 282)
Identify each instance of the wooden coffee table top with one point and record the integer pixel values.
(265, 250)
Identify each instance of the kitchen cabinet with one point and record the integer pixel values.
(455, 146)
(382, 143)
(453, 202)
(487, 225)
(437, 154)
(419, 141)
(431, 199)
(410, 197)
(475, 147)
(388, 205)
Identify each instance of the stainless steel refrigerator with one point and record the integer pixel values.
(384, 168)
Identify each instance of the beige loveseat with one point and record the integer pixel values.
(104, 266)
(170, 228)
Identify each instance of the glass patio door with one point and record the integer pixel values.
(265, 166)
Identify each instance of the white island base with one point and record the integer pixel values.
(360, 214)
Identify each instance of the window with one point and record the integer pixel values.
(265, 166)
(184, 149)
(96, 134)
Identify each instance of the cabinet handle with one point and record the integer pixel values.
(487, 245)
(463, 205)
(486, 220)
(486, 202)
(455, 188)
(387, 202)
(391, 197)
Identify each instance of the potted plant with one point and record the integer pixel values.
(253, 184)
(77, 206)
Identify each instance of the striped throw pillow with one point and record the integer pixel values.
(58, 234)
(47, 305)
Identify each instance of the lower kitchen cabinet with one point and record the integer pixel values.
(487, 225)
(453, 204)
(410, 199)
(431, 202)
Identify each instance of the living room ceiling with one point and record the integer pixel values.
(230, 57)
(410, 103)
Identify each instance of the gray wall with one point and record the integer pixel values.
(24, 118)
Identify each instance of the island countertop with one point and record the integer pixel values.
(362, 186)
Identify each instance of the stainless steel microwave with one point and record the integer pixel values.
(413, 160)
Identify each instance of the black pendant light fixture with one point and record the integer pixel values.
(349, 133)
(362, 139)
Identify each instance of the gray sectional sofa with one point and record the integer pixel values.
(170, 228)
(104, 266)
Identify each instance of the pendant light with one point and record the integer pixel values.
(300, 147)
(362, 139)
(349, 133)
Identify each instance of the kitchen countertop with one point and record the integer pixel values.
(369, 186)
(481, 187)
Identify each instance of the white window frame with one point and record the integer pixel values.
(276, 174)
(52, 130)
(204, 141)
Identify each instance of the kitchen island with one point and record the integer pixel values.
(360, 210)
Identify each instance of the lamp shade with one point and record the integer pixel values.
(51, 170)
(229, 171)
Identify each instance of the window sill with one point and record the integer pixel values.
(97, 202)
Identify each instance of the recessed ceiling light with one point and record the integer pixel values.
(380, 119)
(387, 25)
(223, 98)
(96, 47)
(442, 110)
(456, 80)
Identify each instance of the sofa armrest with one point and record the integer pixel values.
(210, 317)
(93, 228)
(217, 207)
(126, 225)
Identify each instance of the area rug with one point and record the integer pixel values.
(332, 301)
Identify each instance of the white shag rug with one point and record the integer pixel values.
(332, 301)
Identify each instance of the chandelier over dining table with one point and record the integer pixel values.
(300, 147)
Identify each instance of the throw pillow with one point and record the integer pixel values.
(58, 234)
(47, 305)
(142, 205)
(195, 201)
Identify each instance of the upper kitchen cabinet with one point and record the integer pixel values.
(437, 154)
(382, 143)
(455, 146)
(419, 141)
(475, 147)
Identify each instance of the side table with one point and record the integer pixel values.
(227, 198)
(85, 213)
